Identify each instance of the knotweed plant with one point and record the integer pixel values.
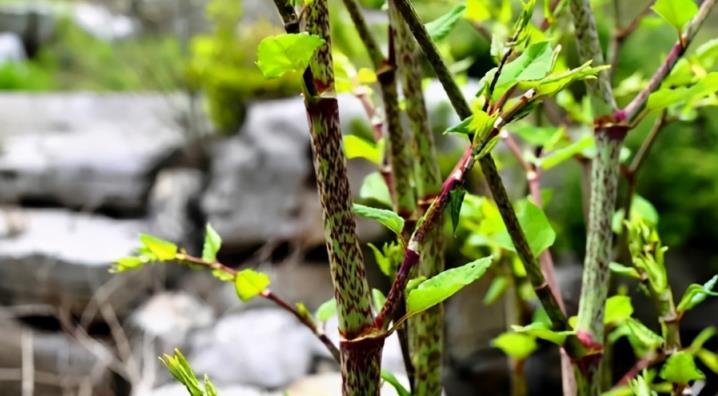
(527, 103)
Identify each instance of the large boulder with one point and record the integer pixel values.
(63, 258)
(33, 21)
(85, 151)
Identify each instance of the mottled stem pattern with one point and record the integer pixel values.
(425, 330)
(360, 371)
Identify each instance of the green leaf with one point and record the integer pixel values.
(388, 258)
(378, 298)
(477, 11)
(439, 28)
(209, 388)
(463, 127)
(223, 276)
(621, 269)
(497, 288)
(445, 284)
(277, 55)
(127, 264)
(618, 309)
(640, 386)
(710, 359)
(374, 188)
(543, 331)
(556, 82)
(160, 249)
(326, 310)
(696, 294)
(249, 283)
(558, 156)
(644, 209)
(394, 382)
(533, 64)
(705, 335)
(178, 366)
(680, 368)
(676, 12)
(535, 225)
(642, 334)
(356, 147)
(212, 244)
(456, 199)
(537, 136)
(387, 218)
(516, 345)
(666, 97)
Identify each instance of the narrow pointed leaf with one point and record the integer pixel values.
(212, 244)
(456, 199)
(441, 27)
(696, 294)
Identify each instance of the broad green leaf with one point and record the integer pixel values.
(705, 335)
(558, 156)
(326, 310)
(516, 345)
(533, 64)
(356, 147)
(249, 283)
(387, 218)
(456, 199)
(535, 225)
(160, 249)
(277, 55)
(445, 284)
(621, 269)
(556, 82)
(676, 12)
(212, 244)
(696, 294)
(498, 286)
(543, 331)
(374, 188)
(710, 359)
(439, 28)
(680, 368)
(644, 209)
(378, 298)
(642, 334)
(477, 10)
(394, 382)
(618, 309)
(127, 264)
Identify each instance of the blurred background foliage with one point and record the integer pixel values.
(217, 61)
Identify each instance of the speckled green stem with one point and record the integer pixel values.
(360, 366)
(426, 330)
(397, 137)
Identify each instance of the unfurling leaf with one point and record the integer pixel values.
(456, 199)
(680, 368)
(249, 283)
(326, 310)
(696, 294)
(158, 249)
(212, 244)
(445, 284)
(277, 55)
(178, 366)
(439, 28)
(387, 218)
(516, 345)
(676, 12)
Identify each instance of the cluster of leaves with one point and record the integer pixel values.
(180, 369)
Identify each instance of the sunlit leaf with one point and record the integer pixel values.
(374, 188)
(516, 345)
(378, 298)
(498, 286)
(543, 331)
(533, 64)
(439, 28)
(212, 244)
(558, 156)
(535, 225)
(277, 55)
(709, 358)
(249, 283)
(680, 368)
(676, 12)
(356, 147)
(696, 294)
(618, 309)
(621, 269)
(326, 310)
(445, 284)
(161, 250)
(642, 334)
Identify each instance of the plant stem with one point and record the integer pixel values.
(542, 289)
(399, 152)
(360, 362)
(425, 330)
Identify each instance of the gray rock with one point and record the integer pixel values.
(99, 22)
(85, 150)
(170, 317)
(33, 21)
(61, 364)
(172, 202)
(62, 258)
(11, 48)
(263, 347)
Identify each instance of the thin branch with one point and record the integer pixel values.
(647, 144)
(269, 295)
(621, 34)
(678, 49)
